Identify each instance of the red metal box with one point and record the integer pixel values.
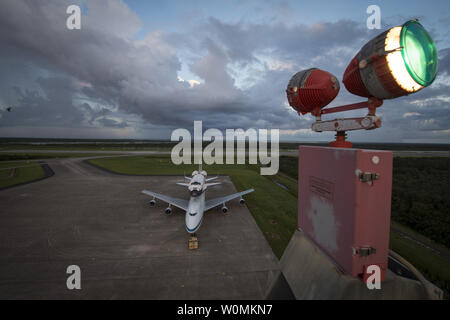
(345, 204)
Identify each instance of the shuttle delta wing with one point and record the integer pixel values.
(179, 203)
(212, 184)
(209, 204)
(183, 184)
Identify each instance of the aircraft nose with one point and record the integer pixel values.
(190, 225)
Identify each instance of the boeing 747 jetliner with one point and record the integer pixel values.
(196, 206)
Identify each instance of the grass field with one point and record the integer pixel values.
(28, 170)
(25, 172)
(46, 155)
(273, 208)
(433, 266)
(276, 215)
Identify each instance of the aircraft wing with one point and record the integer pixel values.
(209, 204)
(179, 203)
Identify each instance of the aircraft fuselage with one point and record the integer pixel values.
(195, 212)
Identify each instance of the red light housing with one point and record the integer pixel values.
(311, 90)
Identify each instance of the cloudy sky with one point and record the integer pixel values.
(139, 69)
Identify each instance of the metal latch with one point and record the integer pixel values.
(368, 177)
(365, 251)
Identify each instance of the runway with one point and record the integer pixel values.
(125, 248)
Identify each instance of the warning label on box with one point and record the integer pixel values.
(321, 187)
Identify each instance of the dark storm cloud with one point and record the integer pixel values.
(444, 61)
(139, 76)
(298, 41)
(93, 114)
(51, 104)
(263, 104)
(107, 122)
(94, 76)
(100, 55)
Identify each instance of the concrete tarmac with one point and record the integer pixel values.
(125, 248)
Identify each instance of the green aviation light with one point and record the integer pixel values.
(419, 53)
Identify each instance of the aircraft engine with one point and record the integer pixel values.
(152, 202)
(242, 201)
(224, 209)
(168, 210)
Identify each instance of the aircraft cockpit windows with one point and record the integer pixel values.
(192, 213)
(195, 183)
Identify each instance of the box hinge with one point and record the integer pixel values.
(364, 251)
(368, 177)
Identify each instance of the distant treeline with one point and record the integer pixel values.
(420, 196)
(145, 144)
(64, 140)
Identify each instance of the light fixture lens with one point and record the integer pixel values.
(419, 52)
(396, 62)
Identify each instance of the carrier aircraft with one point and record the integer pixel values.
(197, 205)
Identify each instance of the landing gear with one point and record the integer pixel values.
(193, 242)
